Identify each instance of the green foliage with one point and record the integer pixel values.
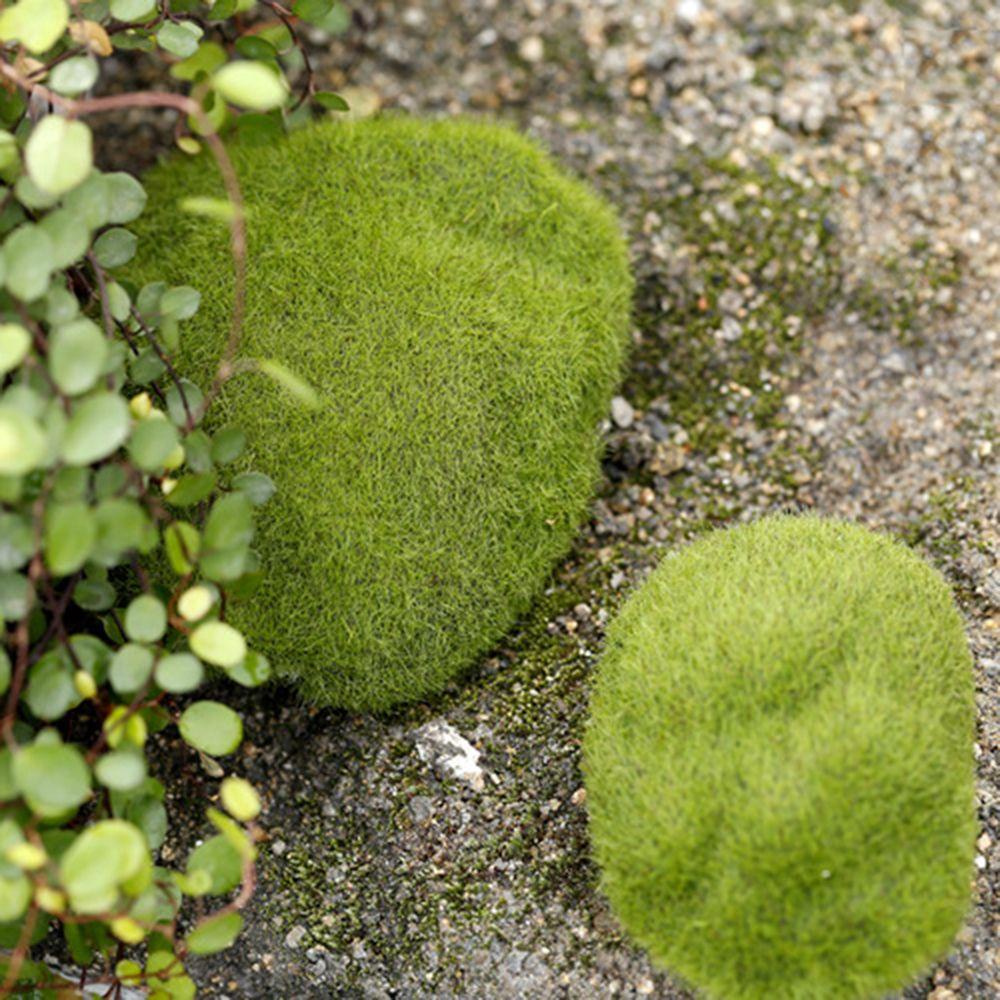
(105, 471)
(460, 307)
(779, 767)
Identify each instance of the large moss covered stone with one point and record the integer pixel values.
(779, 763)
(461, 305)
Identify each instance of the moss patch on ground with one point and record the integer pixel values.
(749, 260)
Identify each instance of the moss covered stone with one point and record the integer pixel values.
(462, 307)
(779, 765)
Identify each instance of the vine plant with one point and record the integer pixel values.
(123, 532)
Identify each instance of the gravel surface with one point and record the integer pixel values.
(811, 196)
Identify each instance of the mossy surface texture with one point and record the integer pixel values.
(462, 308)
(779, 763)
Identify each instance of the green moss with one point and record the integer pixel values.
(778, 763)
(733, 234)
(897, 293)
(462, 307)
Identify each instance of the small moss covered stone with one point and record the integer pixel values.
(779, 763)
(462, 307)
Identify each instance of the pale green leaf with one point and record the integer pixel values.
(218, 643)
(115, 247)
(53, 778)
(145, 619)
(122, 770)
(97, 428)
(15, 342)
(214, 934)
(179, 673)
(36, 24)
(59, 154)
(74, 76)
(251, 85)
(77, 355)
(211, 727)
(29, 259)
(22, 442)
(99, 861)
(126, 197)
(70, 531)
(131, 668)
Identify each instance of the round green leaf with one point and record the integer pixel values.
(14, 344)
(70, 530)
(179, 673)
(175, 404)
(179, 38)
(222, 862)
(94, 595)
(61, 305)
(255, 47)
(230, 522)
(240, 799)
(217, 643)
(53, 778)
(28, 258)
(70, 238)
(151, 442)
(16, 596)
(17, 541)
(122, 525)
(115, 247)
(119, 302)
(74, 76)
(331, 101)
(313, 11)
(4, 671)
(103, 857)
(51, 692)
(228, 445)
(99, 425)
(77, 354)
(196, 602)
(126, 197)
(180, 303)
(121, 770)
(15, 892)
(251, 85)
(214, 934)
(91, 201)
(131, 667)
(22, 442)
(258, 487)
(253, 671)
(36, 24)
(30, 195)
(146, 619)
(59, 154)
(212, 727)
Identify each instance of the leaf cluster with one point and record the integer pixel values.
(107, 471)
